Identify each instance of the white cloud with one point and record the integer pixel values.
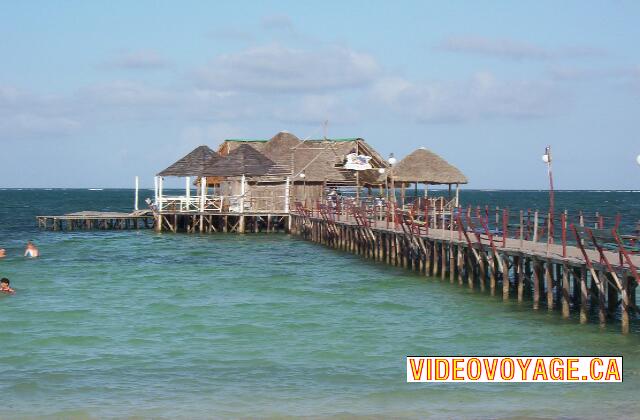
(127, 93)
(512, 49)
(139, 60)
(278, 22)
(480, 97)
(277, 69)
(33, 125)
(25, 114)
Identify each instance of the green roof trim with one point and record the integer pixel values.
(264, 141)
(248, 140)
(344, 139)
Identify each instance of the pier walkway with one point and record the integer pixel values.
(98, 220)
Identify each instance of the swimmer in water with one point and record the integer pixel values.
(31, 250)
(3, 253)
(5, 286)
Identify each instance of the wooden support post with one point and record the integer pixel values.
(241, 225)
(443, 260)
(549, 284)
(624, 318)
(491, 260)
(584, 295)
(428, 270)
(452, 264)
(460, 261)
(612, 298)
(505, 277)
(436, 259)
(482, 270)
(565, 290)
(600, 285)
(536, 284)
(470, 267)
(520, 273)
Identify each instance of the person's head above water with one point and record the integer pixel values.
(5, 286)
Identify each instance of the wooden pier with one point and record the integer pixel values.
(95, 220)
(585, 269)
(229, 222)
(587, 277)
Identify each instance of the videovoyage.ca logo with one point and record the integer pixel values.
(514, 369)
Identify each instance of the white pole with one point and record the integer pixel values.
(457, 195)
(242, 190)
(135, 204)
(286, 195)
(187, 187)
(160, 181)
(203, 192)
(155, 189)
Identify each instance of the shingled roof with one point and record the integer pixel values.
(194, 163)
(426, 167)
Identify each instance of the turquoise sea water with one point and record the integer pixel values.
(139, 324)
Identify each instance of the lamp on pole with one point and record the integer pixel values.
(546, 158)
(392, 161)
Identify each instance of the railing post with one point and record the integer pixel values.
(160, 181)
(242, 191)
(287, 186)
(135, 203)
(563, 222)
(203, 193)
(505, 226)
(521, 229)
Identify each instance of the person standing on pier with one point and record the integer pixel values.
(31, 250)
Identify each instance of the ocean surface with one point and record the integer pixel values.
(137, 324)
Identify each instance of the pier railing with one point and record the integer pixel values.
(250, 202)
(594, 238)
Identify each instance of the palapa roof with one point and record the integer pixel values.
(320, 159)
(426, 167)
(243, 160)
(323, 160)
(280, 147)
(194, 163)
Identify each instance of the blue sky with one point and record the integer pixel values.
(92, 94)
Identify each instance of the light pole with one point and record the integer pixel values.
(304, 187)
(546, 158)
(392, 161)
(381, 171)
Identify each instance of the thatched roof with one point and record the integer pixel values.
(194, 163)
(426, 167)
(280, 148)
(228, 145)
(243, 160)
(320, 159)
